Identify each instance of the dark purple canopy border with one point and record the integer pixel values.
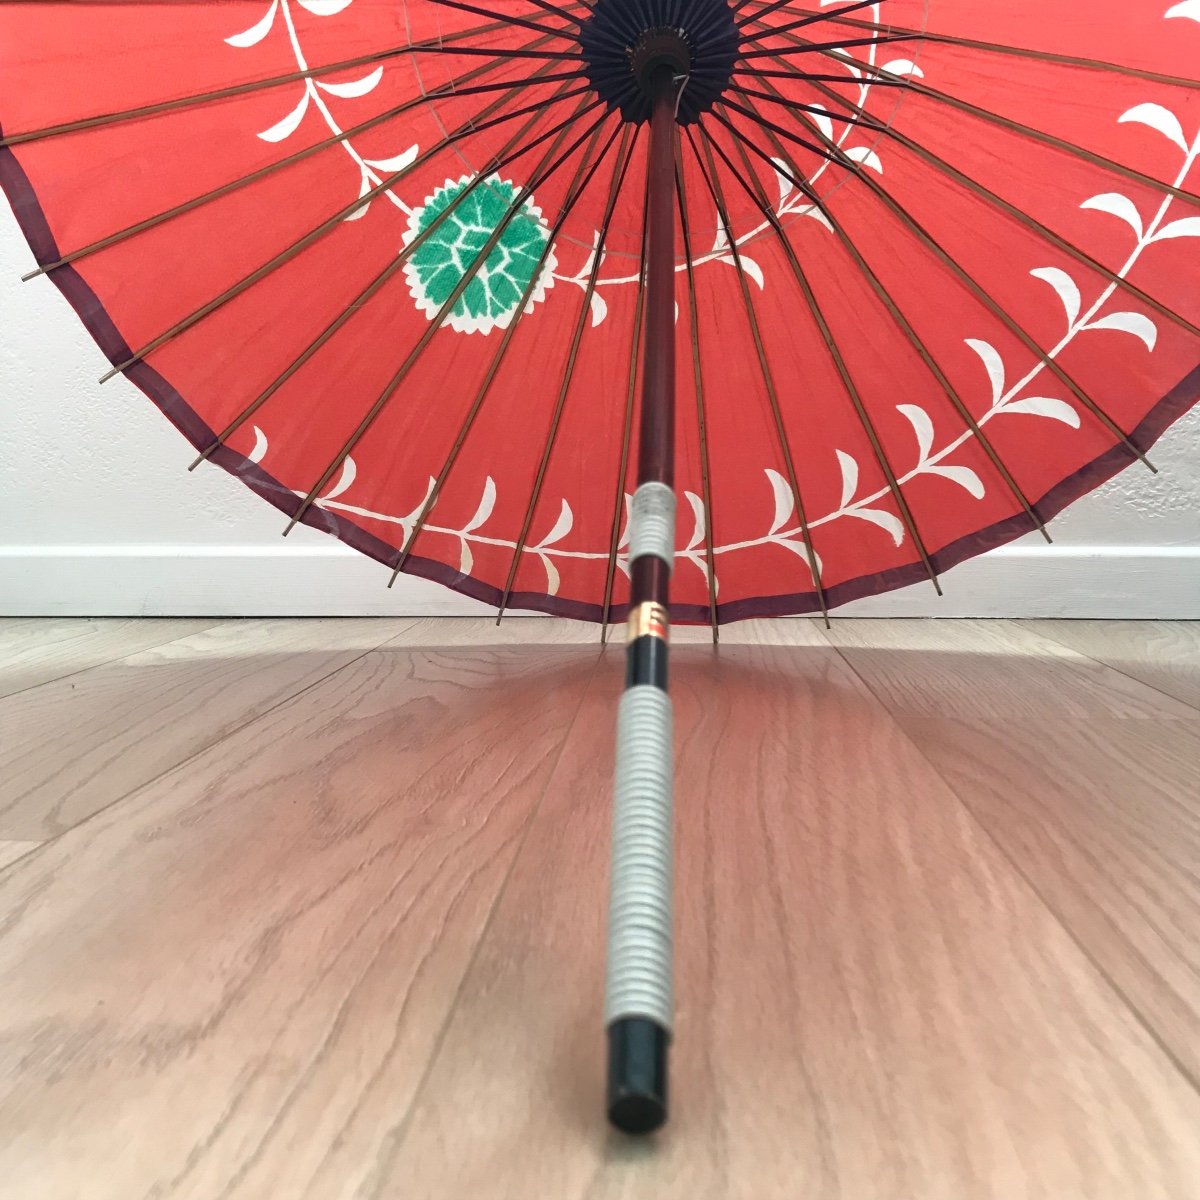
(99, 324)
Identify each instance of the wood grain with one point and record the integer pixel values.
(71, 747)
(1104, 818)
(11, 851)
(338, 933)
(37, 651)
(1163, 654)
(483, 631)
(873, 1003)
(783, 631)
(549, 631)
(990, 669)
(217, 984)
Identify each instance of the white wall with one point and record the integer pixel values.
(98, 514)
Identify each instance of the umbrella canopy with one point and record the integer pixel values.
(926, 269)
(936, 276)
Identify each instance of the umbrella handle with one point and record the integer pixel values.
(638, 1004)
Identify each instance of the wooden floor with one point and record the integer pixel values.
(313, 910)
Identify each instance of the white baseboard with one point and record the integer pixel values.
(1134, 582)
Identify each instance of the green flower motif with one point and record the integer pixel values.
(438, 266)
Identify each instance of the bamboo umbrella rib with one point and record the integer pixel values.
(555, 10)
(791, 172)
(830, 156)
(541, 174)
(811, 18)
(228, 93)
(839, 361)
(861, 121)
(635, 349)
(489, 52)
(227, 189)
(395, 263)
(809, 76)
(1061, 60)
(583, 177)
(983, 114)
(698, 374)
(823, 47)
(334, 221)
(976, 289)
(708, 171)
(509, 19)
(618, 179)
(986, 193)
(771, 7)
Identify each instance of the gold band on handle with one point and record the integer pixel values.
(648, 620)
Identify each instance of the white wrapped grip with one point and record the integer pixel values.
(639, 976)
(652, 523)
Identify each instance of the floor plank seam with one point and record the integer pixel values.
(1113, 667)
(108, 662)
(196, 753)
(396, 1137)
(1181, 1067)
(1192, 1079)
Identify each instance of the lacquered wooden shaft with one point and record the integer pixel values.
(656, 449)
(638, 1041)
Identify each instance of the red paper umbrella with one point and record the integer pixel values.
(900, 280)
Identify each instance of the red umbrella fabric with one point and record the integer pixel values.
(937, 271)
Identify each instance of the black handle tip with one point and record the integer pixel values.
(637, 1074)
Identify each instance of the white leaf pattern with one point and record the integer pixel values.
(748, 265)
(822, 121)
(355, 88)
(885, 520)
(1118, 206)
(754, 271)
(1129, 322)
(1187, 228)
(1157, 117)
(256, 32)
(260, 447)
(345, 480)
(600, 309)
(963, 476)
(866, 157)
(849, 467)
(1067, 289)
(699, 525)
(553, 579)
(563, 526)
(922, 427)
(284, 129)
(802, 550)
(1044, 406)
(994, 365)
(904, 67)
(785, 503)
(392, 166)
(486, 504)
